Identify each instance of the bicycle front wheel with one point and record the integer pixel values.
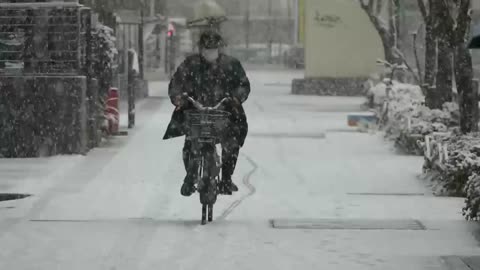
(208, 190)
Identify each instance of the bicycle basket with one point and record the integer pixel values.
(206, 125)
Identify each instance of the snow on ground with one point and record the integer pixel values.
(120, 208)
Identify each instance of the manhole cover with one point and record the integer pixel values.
(289, 135)
(12, 196)
(348, 224)
(384, 194)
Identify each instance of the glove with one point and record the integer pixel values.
(179, 102)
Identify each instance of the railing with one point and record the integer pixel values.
(435, 150)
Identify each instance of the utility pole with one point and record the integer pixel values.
(152, 8)
(291, 24)
(296, 23)
(247, 24)
(141, 53)
(270, 31)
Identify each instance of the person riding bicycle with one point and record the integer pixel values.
(208, 77)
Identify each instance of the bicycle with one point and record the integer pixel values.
(205, 127)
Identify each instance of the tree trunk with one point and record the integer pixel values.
(430, 54)
(467, 94)
(467, 89)
(443, 32)
(390, 55)
(431, 100)
(444, 80)
(395, 22)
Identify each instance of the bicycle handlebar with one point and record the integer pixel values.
(199, 106)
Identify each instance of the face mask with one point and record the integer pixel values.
(211, 55)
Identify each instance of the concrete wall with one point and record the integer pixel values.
(340, 40)
(43, 115)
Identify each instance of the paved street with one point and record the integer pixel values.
(314, 194)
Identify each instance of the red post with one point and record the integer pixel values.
(112, 111)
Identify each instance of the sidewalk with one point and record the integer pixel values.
(339, 201)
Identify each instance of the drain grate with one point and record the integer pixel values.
(343, 130)
(348, 224)
(12, 196)
(278, 84)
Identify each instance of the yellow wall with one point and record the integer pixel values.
(301, 21)
(340, 40)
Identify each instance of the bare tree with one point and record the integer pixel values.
(439, 32)
(447, 23)
(387, 32)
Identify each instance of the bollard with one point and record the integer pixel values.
(112, 111)
(131, 90)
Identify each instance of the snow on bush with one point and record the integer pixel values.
(405, 119)
(463, 161)
(399, 91)
(104, 42)
(456, 172)
(471, 211)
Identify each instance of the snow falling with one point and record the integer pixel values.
(225, 134)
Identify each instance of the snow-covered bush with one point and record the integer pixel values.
(463, 161)
(399, 91)
(104, 56)
(104, 45)
(454, 167)
(104, 64)
(471, 211)
(453, 160)
(404, 117)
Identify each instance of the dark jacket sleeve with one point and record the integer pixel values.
(241, 90)
(180, 82)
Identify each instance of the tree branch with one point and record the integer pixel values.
(423, 9)
(417, 60)
(404, 61)
(367, 6)
(379, 7)
(377, 23)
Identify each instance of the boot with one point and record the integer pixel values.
(188, 188)
(228, 187)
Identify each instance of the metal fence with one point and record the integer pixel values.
(47, 40)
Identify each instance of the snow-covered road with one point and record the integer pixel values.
(339, 199)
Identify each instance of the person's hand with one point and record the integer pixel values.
(236, 102)
(178, 102)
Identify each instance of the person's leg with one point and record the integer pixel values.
(188, 187)
(230, 152)
(187, 149)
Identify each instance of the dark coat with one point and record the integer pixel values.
(209, 84)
